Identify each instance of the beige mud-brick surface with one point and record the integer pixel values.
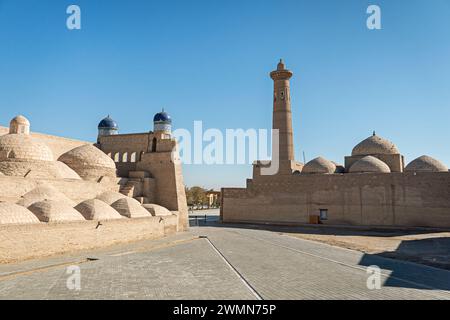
(21, 242)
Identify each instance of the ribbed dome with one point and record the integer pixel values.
(374, 145)
(108, 123)
(109, 197)
(319, 166)
(89, 162)
(369, 164)
(97, 210)
(42, 193)
(426, 164)
(156, 210)
(11, 213)
(55, 211)
(23, 147)
(130, 208)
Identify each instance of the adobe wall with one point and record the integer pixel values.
(21, 242)
(58, 145)
(126, 143)
(396, 199)
(78, 190)
(170, 189)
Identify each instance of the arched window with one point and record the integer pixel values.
(133, 157)
(154, 144)
(117, 157)
(125, 157)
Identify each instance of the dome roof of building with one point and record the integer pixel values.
(109, 197)
(162, 117)
(55, 211)
(369, 164)
(108, 123)
(130, 208)
(89, 162)
(374, 145)
(95, 209)
(23, 147)
(11, 213)
(65, 172)
(319, 166)
(157, 210)
(426, 164)
(20, 120)
(44, 192)
(37, 169)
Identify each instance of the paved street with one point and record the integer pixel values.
(211, 262)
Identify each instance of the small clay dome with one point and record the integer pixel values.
(109, 197)
(319, 166)
(156, 210)
(23, 147)
(130, 208)
(55, 211)
(19, 125)
(11, 213)
(426, 164)
(89, 162)
(42, 193)
(369, 164)
(374, 145)
(95, 209)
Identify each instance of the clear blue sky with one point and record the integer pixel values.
(209, 60)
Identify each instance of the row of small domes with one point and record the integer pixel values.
(47, 204)
(372, 164)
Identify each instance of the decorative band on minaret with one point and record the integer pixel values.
(282, 114)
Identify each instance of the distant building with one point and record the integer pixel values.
(373, 187)
(213, 198)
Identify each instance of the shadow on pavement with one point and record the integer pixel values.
(415, 251)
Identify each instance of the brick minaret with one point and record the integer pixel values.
(282, 118)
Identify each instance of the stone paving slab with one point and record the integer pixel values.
(190, 270)
(276, 266)
(270, 262)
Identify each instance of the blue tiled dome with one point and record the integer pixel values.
(108, 123)
(162, 117)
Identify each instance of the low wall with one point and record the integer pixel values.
(22, 242)
(395, 199)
